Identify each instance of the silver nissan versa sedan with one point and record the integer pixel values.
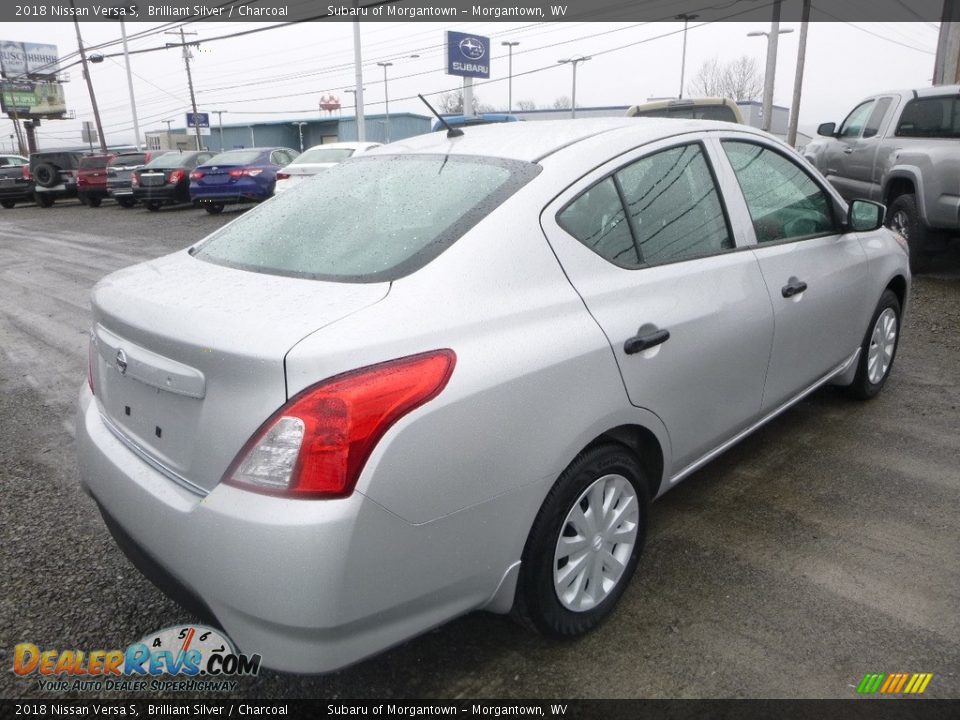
(453, 373)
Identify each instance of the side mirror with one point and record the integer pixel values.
(827, 129)
(865, 216)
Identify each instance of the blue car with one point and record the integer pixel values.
(237, 176)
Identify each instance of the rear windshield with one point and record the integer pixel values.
(235, 157)
(324, 155)
(96, 161)
(127, 160)
(372, 219)
(692, 112)
(930, 117)
(171, 160)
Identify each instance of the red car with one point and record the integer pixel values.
(92, 178)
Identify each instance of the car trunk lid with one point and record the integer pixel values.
(188, 357)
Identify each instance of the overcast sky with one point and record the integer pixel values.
(283, 73)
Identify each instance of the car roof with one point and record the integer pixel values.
(343, 146)
(533, 141)
(932, 91)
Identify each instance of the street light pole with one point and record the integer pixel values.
(358, 78)
(769, 75)
(510, 46)
(574, 61)
(798, 77)
(683, 58)
(86, 75)
(219, 114)
(386, 97)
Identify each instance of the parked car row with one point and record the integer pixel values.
(207, 179)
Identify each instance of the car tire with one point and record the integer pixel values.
(44, 201)
(126, 202)
(879, 348)
(561, 602)
(8, 204)
(94, 201)
(214, 208)
(45, 174)
(152, 205)
(903, 217)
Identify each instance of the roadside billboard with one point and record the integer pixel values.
(23, 60)
(468, 55)
(32, 99)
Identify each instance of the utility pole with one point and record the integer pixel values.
(683, 58)
(193, 99)
(133, 101)
(798, 78)
(86, 76)
(946, 65)
(574, 61)
(219, 114)
(358, 80)
(510, 46)
(769, 75)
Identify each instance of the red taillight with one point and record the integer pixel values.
(176, 176)
(25, 172)
(240, 172)
(135, 180)
(282, 175)
(196, 175)
(316, 445)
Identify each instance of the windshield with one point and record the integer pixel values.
(171, 160)
(691, 112)
(372, 219)
(324, 155)
(235, 157)
(127, 160)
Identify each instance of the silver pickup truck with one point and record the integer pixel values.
(902, 149)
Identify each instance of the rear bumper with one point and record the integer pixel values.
(161, 193)
(16, 191)
(242, 190)
(312, 586)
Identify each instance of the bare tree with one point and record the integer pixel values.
(739, 79)
(562, 103)
(526, 105)
(451, 103)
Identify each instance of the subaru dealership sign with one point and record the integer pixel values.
(468, 55)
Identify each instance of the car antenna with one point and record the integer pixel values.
(451, 131)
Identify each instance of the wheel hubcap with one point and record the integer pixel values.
(901, 223)
(595, 543)
(883, 340)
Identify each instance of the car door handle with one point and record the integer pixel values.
(847, 151)
(793, 287)
(645, 341)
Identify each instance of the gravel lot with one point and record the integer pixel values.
(821, 548)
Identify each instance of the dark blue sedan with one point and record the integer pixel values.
(237, 176)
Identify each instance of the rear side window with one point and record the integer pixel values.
(374, 219)
(930, 117)
(673, 211)
(784, 202)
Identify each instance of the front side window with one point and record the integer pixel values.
(374, 219)
(785, 203)
(853, 125)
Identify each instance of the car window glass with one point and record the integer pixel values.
(674, 207)
(376, 218)
(597, 219)
(930, 117)
(784, 202)
(856, 120)
(127, 160)
(876, 117)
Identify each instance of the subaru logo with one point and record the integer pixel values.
(471, 48)
(122, 362)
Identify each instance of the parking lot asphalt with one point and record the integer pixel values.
(821, 548)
